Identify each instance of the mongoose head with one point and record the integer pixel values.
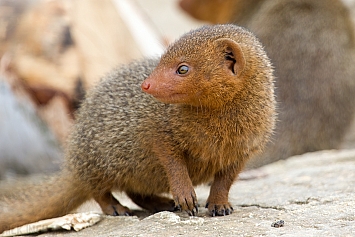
(209, 67)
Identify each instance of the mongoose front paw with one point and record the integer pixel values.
(219, 209)
(187, 201)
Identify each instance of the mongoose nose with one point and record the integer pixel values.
(145, 86)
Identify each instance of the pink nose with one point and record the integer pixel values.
(145, 86)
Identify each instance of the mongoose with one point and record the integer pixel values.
(213, 108)
(311, 45)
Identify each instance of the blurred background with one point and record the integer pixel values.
(52, 51)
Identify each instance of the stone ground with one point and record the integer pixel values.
(314, 194)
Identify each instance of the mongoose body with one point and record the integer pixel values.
(311, 44)
(208, 107)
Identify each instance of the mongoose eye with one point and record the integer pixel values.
(183, 69)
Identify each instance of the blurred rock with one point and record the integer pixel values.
(43, 53)
(103, 41)
(26, 143)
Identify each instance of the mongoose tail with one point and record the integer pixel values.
(56, 196)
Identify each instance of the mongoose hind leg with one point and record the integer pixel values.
(110, 205)
(153, 203)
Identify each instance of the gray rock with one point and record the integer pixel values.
(27, 146)
(314, 194)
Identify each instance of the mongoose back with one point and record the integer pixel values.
(311, 45)
(208, 107)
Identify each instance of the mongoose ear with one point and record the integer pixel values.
(233, 55)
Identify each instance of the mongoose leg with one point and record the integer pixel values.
(110, 205)
(217, 202)
(153, 203)
(179, 180)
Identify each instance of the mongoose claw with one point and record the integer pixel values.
(219, 210)
(196, 208)
(120, 211)
(110, 206)
(189, 204)
(194, 211)
(177, 208)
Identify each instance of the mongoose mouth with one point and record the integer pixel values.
(173, 98)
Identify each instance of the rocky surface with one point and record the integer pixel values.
(24, 135)
(314, 194)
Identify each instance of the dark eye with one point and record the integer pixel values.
(183, 69)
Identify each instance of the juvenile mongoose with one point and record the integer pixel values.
(311, 45)
(216, 85)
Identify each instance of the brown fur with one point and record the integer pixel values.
(214, 117)
(311, 45)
